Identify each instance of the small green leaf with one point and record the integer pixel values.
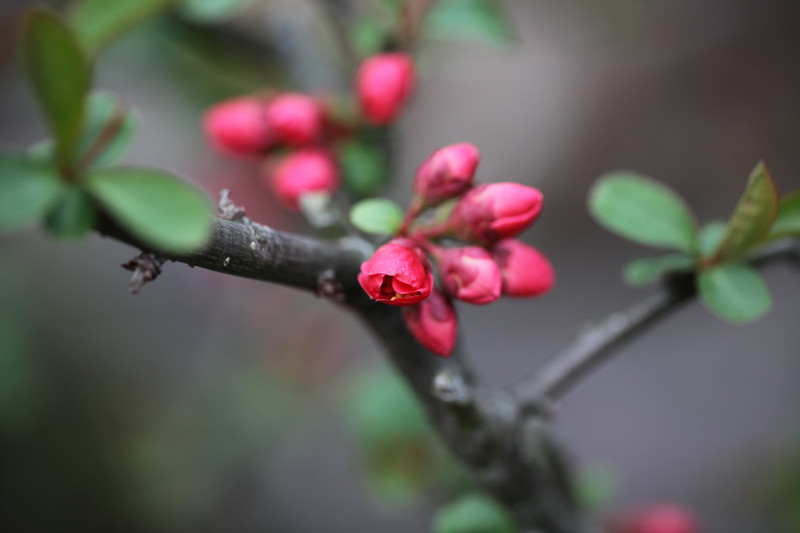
(483, 20)
(377, 215)
(735, 292)
(650, 269)
(101, 110)
(367, 37)
(642, 210)
(710, 236)
(788, 222)
(364, 168)
(474, 513)
(27, 190)
(72, 216)
(211, 10)
(159, 208)
(97, 22)
(61, 76)
(753, 216)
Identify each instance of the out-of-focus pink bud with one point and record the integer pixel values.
(383, 83)
(526, 271)
(308, 170)
(496, 211)
(295, 118)
(470, 274)
(397, 274)
(659, 518)
(447, 173)
(237, 127)
(433, 323)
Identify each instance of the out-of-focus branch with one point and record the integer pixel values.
(600, 340)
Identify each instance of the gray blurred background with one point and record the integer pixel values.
(214, 404)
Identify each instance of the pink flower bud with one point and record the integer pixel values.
(470, 274)
(660, 518)
(308, 170)
(237, 127)
(398, 273)
(495, 211)
(433, 323)
(526, 271)
(447, 173)
(296, 119)
(383, 83)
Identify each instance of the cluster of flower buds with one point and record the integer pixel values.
(486, 262)
(307, 127)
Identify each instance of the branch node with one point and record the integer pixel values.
(329, 287)
(449, 386)
(228, 210)
(145, 267)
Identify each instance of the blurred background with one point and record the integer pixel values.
(208, 403)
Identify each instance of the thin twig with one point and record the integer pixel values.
(110, 130)
(598, 342)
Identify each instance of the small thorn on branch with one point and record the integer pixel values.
(227, 209)
(145, 267)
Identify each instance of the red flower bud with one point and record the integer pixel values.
(308, 170)
(526, 271)
(447, 173)
(398, 273)
(383, 83)
(296, 119)
(237, 127)
(433, 323)
(660, 518)
(495, 211)
(470, 274)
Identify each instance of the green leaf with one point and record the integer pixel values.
(753, 216)
(710, 236)
(642, 210)
(483, 20)
(27, 190)
(97, 22)
(102, 109)
(364, 168)
(159, 208)
(211, 10)
(650, 269)
(61, 76)
(787, 224)
(367, 37)
(474, 513)
(735, 292)
(377, 215)
(73, 215)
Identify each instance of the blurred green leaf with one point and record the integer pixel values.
(211, 10)
(367, 37)
(753, 216)
(364, 168)
(27, 189)
(97, 22)
(787, 224)
(642, 210)
(73, 214)
(735, 292)
(483, 20)
(61, 76)
(159, 208)
(474, 513)
(377, 215)
(596, 487)
(101, 109)
(710, 236)
(648, 270)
